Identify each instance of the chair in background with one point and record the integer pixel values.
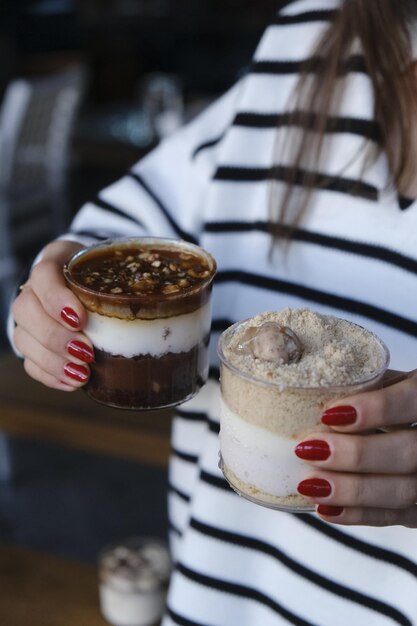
(37, 119)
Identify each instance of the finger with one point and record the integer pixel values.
(38, 374)
(394, 405)
(368, 516)
(48, 283)
(355, 490)
(382, 453)
(30, 316)
(51, 363)
(55, 338)
(392, 377)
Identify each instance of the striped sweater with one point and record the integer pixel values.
(354, 255)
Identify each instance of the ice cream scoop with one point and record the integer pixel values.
(272, 342)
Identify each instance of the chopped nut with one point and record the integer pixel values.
(143, 285)
(156, 263)
(116, 290)
(170, 289)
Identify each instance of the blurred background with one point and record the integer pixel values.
(87, 87)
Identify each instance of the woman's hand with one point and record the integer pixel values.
(49, 320)
(363, 476)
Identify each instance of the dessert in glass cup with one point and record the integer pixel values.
(133, 581)
(149, 315)
(278, 372)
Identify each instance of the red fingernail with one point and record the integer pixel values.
(313, 450)
(329, 511)
(70, 317)
(314, 488)
(76, 372)
(80, 350)
(339, 416)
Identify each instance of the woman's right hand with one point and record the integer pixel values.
(49, 321)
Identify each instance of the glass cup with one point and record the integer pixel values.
(133, 581)
(261, 423)
(149, 315)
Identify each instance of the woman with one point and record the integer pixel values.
(327, 114)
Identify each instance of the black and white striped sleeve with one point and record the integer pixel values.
(162, 195)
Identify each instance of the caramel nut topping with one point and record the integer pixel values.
(134, 270)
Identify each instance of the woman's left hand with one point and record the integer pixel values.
(363, 476)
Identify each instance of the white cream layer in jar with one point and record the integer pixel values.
(258, 457)
(156, 337)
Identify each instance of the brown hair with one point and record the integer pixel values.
(381, 27)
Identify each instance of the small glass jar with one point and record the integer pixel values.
(261, 423)
(133, 582)
(149, 316)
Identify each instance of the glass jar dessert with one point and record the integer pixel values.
(149, 315)
(278, 372)
(133, 581)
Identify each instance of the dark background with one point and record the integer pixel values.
(205, 45)
(207, 42)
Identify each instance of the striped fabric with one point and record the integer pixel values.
(354, 255)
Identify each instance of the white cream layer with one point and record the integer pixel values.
(155, 337)
(259, 457)
(131, 609)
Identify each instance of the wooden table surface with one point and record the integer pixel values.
(43, 590)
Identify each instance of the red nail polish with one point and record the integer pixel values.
(313, 450)
(314, 488)
(80, 350)
(70, 317)
(76, 372)
(329, 511)
(339, 416)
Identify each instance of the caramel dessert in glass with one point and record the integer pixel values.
(278, 372)
(149, 315)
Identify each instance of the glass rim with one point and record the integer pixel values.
(145, 240)
(375, 375)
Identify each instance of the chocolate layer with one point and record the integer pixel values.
(145, 381)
